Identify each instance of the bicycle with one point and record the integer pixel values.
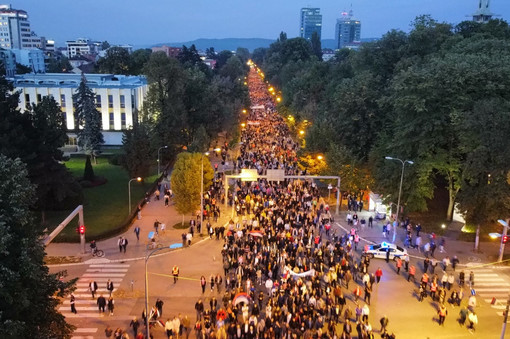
(97, 252)
(153, 245)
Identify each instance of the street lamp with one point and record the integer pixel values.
(159, 149)
(399, 191)
(129, 191)
(147, 315)
(330, 187)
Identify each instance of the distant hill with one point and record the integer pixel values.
(231, 44)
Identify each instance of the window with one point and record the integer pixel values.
(39, 98)
(98, 101)
(132, 101)
(72, 141)
(122, 102)
(112, 121)
(110, 101)
(122, 120)
(62, 100)
(27, 101)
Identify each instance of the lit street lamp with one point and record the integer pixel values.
(159, 149)
(129, 191)
(399, 191)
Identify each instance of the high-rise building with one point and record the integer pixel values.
(15, 29)
(483, 13)
(347, 31)
(311, 21)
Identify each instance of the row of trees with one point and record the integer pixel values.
(187, 105)
(31, 177)
(437, 95)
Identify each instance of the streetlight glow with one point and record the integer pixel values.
(399, 191)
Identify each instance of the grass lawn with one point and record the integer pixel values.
(105, 206)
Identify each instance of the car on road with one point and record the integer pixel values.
(380, 250)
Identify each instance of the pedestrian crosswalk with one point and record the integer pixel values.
(86, 306)
(489, 284)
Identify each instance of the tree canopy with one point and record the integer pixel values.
(416, 96)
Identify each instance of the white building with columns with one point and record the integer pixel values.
(118, 98)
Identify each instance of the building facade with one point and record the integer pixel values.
(483, 13)
(15, 29)
(82, 46)
(118, 98)
(347, 31)
(310, 22)
(171, 52)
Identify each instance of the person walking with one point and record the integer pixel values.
(203, 283)
(368, 293)
(159, 306)
(399, 265)
(119, 243)
(93, 288)
(412, 271)
(426, 263)
(175, 273)
(199, 308)
(108, 332)
(110, 305)
(384, 323)
(134, 324)
(137, 233)
(442, 314)
(101, 304)
(378, 275)
(124, 244)
(109, 287)
(73, 302)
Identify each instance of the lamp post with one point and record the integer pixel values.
(129, 191)
(202, 193)
(399, 190)
(159, 149)
(503, 237)
(330, 187)
(147, 315)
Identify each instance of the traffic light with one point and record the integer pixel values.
(505, 239)
(82, 229)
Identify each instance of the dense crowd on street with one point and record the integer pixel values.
(287, 273)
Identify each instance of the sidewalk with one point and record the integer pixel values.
(462, 249)
(155, 210)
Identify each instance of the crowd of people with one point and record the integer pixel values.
(286, 273)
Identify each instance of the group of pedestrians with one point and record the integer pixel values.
(285, 274)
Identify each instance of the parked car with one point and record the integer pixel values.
(380, 250)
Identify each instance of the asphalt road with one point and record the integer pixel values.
(394, 296)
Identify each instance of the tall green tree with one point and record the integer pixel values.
(116, 61)
(484, 195)
(28, 297)
(315, 42)
(56, 187)
(138, 60)
(186, 181)
(137, 147)
(88, 119)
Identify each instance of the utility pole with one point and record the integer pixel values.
(505, 318)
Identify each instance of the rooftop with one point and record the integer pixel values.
(73, 80)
